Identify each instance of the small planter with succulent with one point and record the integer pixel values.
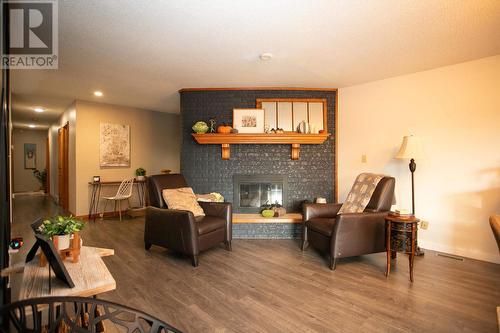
(60, 229)
(140, 174)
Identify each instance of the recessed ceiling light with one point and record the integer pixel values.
(266, 56)
(39, 110)
(98, 93)
(31, 126)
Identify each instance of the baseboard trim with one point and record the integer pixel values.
(98, 215)
(457, 251)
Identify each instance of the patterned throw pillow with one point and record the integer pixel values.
(183, 199)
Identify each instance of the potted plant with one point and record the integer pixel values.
(42, 178)
(140, 173)
(60, 228)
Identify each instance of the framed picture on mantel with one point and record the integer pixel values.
(248, 120)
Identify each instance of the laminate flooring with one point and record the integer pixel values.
(272, 286)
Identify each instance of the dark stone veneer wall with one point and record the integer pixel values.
(309, 177)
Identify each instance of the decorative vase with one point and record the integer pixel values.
(140, 178)
(61, 242)
(304, 127)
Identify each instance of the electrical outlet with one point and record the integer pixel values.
(363, 158)
(424, 224)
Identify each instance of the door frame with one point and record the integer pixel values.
(47, 165)
(62, 166)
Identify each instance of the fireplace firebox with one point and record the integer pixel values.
(253, 192)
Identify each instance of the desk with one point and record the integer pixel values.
(96, 194)
(401, 233)
(90, 275)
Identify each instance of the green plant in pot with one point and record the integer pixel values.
(61, 227)
(140, 173)
(42, 178)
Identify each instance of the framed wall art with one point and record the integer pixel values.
(114, 150)
(248, 120)
(30, 155)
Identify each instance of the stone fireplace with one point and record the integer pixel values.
(311, 176)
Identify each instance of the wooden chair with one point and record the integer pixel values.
(124, 193)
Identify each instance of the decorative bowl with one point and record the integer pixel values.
(200, 127)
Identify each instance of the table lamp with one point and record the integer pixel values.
(411, 148)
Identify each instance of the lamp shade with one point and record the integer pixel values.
(410, 148)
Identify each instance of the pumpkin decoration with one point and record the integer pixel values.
(224, 129)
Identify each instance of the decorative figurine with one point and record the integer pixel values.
(212, 123)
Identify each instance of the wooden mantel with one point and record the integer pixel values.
(293, 139)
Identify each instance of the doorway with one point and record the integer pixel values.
(62, 166)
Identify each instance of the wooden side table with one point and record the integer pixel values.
(401, 233)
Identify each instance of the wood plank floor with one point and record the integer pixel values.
(272, 286)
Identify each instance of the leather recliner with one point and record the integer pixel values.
(179, 230)
(349, 234)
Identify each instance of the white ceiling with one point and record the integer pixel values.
(140, 53)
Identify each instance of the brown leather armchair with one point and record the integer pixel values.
(349, 234)
(179, 230)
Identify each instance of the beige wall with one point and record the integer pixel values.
(456, 112)
(155, 144)
(69, 116)
(23, 179)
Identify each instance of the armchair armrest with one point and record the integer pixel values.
(358, 233)
(217, 209)
(171, 228)
(311, 210)
(361, 218)
(223, 210)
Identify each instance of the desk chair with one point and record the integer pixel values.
(124, 193)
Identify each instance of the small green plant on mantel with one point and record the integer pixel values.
(61, 225)
(140, 172)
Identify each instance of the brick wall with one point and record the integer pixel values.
(310, 177)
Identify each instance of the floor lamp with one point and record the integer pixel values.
(411, 149)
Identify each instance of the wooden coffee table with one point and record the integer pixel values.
(90, 276)
(401, 233)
